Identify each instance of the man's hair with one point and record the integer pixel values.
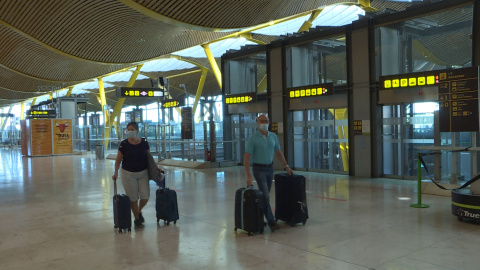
(133, 124)
(261, 115)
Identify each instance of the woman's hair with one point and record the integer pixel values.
(133, 124)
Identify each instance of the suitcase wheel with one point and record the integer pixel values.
(168, 223)
(304, 223)
(158, 220)
(175, 222)
(129, 229)
(115, 226)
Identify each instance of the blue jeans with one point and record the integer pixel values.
(264, 177)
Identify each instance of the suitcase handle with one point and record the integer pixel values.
(115, 187)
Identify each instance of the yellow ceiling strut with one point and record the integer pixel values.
(308, 24)
(33, 102)
(213, 64)
(115, 117)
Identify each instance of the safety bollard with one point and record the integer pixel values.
(419, 188)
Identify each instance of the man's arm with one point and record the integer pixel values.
(280, 157)
(246, 164)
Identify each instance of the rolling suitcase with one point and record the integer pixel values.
(122, 218)
(290, 198)
(166, 205)
(249, 210)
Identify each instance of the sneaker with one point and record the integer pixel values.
(274, 226)
(138, 224)
(140, 217)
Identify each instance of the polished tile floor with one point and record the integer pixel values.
(56, 213)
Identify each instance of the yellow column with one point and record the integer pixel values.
(213, 64)
(106, 118)
(342, 134)
(22, 111)
(33, 102)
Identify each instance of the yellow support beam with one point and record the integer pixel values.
(308, 24)
(70, 89)
(22, 110)
(213, 64)
(115, 117)
(33, 102)
(201, 83)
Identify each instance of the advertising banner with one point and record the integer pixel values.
(62, 137)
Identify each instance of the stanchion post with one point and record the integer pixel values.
(419, 185)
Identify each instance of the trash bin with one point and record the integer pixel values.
(99, 151)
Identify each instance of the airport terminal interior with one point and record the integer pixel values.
(375, 103)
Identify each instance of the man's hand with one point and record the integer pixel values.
(249, 180)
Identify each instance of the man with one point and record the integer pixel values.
(261, 147)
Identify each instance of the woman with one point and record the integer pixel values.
(132, 153)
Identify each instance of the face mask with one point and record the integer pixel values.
(263, 127)
(131, 133)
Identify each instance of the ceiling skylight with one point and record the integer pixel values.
(218, 48)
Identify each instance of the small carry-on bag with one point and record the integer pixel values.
(290, 198)
(121, 211)
(166, 205)
(249, 210)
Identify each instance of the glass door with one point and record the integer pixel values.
(321, 140)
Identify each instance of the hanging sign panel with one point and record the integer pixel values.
(132, 92)
(418, 79)
(173, 103)
(241, 98)
(311, 91)
(41, 114)
(458, 100)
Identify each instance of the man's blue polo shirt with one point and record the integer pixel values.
(262, 147)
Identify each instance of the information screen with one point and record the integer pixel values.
(311, 91)
(241, 98)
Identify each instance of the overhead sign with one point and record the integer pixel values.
(458, 99)
(41, 114)
(241, 98)
(130, 92)
(173, 103)
(311, 90)
(429, 78)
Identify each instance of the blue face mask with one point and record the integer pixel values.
(131, 133)
(263, 127)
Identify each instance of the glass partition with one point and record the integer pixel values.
(319, 61)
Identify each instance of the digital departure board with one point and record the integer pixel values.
(311, 91)
(458, 100)
(429, 78)
(41, 114)
(241, 98)
(173, 103)
(132, 92)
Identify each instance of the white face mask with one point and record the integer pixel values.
(131, 133)
(263, 127)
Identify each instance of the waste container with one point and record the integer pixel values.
(99, 151)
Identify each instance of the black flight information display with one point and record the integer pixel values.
(458, 99)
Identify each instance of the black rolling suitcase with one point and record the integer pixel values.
(290, 198)
(166, 205)
(122, 218)
(249, 210)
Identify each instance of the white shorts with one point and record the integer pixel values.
(136, 185)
